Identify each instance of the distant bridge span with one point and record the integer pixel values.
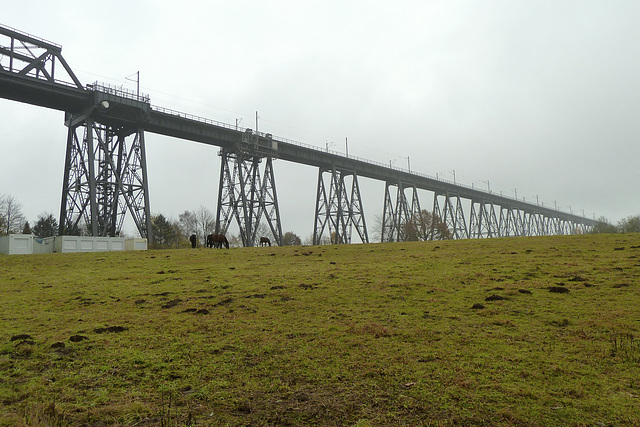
(105, 166)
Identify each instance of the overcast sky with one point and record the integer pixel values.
(534, 97)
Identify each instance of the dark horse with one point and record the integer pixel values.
(265, 241)
(217, 240)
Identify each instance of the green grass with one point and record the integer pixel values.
(360, 335)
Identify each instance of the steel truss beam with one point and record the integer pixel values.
(340, 211)
(452, 214)
(483, 221)
(514, 222)
(247, 195)
(105, 176)
(32, 70)
(395, 217)
(30, 56)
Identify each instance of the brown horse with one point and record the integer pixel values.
(217, 240)
(265, 241)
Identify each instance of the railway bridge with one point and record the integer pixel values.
(105, 172)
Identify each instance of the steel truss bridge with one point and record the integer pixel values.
(105, 173)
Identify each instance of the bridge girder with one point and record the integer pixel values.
(29, 56)
(101, 164)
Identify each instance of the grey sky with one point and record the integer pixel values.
(535, 97)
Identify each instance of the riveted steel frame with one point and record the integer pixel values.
(247, 195)
(394, 217)
(105, 176)
(452, 214)
(337, 210)
(26, 55)
(483, 221)
(33, 71)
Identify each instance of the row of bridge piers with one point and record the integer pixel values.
(105, 173)
(105, 178)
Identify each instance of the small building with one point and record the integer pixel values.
(22, 244)
(16, 244)
(135, 245)
(67, 244)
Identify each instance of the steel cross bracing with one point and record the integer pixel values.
(101, 119)
(395, 218)
(452, 214)
(29, 56)
(105, 177)
(248, 195)
(483, 222)
(337, 210)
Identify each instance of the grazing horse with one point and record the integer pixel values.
(265, 241)
(217, 240)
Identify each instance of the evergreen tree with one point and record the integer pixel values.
(46, 226)
(165, 234)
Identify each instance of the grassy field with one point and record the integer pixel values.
(518, 331)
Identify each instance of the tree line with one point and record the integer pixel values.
(13, 221)
(169, 233)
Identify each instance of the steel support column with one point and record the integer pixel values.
(483, 221)
(105, 176)
(536, 224)
(337, 210)
(452, 216)
(395, 218)
(247, 195)
(511, 222)
(504, 224)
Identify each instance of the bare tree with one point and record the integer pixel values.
(206, 222)
(375, 234)
(630, 224)
(291, 239)
(188, 223)
(324, 240)
(263, 230)
(200, 222)
(426, 226)
(235, 241)
(604, 226)
(11, 215)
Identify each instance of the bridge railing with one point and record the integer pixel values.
(22, 33)
(194, 118)
(376, 163)
(320, 149)
(119, 91)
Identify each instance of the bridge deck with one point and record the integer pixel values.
(71, 99)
